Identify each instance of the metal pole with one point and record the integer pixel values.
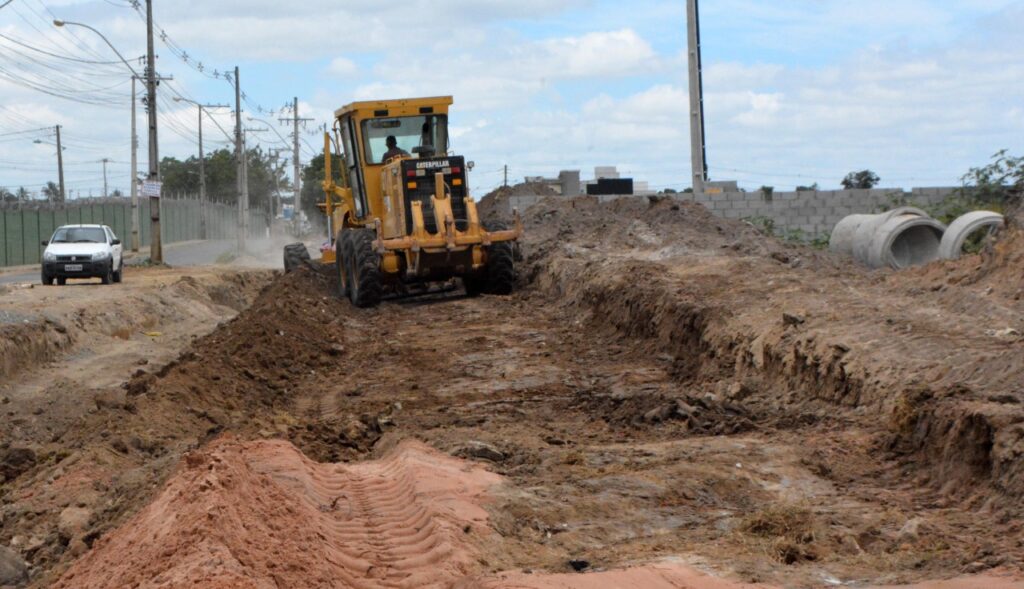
(697, 143)
(202, 178)
(60, 167)
(135, 174)
(239, 170)
(156, 254)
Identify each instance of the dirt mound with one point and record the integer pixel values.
(260, 514)
(728, 303)
(494, 206)
(242, 377)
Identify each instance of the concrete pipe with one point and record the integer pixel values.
(864, 234)
(903, 241)
(841, 241)
(952, 245)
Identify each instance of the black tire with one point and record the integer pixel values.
(500, 275)
(501, 272)
(295, 256)
(61, 281)
(46, 279)
(341, 253)
(108, 276)
(363, 263)
(119, 274)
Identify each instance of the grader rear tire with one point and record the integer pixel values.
(295, 255)
(365, 288)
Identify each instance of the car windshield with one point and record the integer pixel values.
(79, 235)
(430, 131)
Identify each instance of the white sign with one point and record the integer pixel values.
(151, 188)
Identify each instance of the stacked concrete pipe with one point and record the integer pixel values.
(897, 239)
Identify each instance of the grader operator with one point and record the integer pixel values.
(401, 218)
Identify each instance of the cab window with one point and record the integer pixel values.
(424, 135)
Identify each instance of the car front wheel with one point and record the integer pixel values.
(108, 277)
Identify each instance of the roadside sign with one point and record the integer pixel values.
(151, 188)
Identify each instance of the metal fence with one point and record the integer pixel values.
(24, 226)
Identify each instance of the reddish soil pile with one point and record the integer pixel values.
(260, 514)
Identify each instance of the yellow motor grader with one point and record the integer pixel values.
(401, 218)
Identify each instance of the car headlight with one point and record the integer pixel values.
(100, 256)
(49, 257)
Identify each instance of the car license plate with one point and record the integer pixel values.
(72, 267)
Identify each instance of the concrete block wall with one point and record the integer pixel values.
(815, 213)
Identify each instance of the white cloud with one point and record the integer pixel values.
(342, 67)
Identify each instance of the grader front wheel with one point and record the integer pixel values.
(363, 263)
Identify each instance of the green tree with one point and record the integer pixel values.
(7, 195)
(999, 182)
(312, 192)
(811, 188)
(52, 192)
(865, 179)
(182, 177)
(23, 194)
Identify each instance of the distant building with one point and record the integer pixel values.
(566, 184)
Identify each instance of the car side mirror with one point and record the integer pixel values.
(470, 165)
(45, 243)
(116, 242)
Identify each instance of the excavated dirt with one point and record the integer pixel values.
(669, 396)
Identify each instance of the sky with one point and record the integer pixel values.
(797, 92)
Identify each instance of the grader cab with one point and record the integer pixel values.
(401, 217)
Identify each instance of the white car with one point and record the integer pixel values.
(82, 251)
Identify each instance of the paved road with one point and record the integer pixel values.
(192, 253)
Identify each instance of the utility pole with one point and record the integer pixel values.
(239, 163)
(505, 182)
(60, 166)
(295, 120)
(697, 140)
(202, 178)
(135, 173)
(156, 253)
(106, 193)
(202, 163)
(245, 186)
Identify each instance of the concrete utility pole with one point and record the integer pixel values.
(245, 186)
(202, 163)
(240, 179)
(135, 173)
(697, 139)
(295, 120)
(60, 167)
(505, 182)
(156, 252)
(106, 193)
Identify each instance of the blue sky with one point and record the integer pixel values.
(797, 91)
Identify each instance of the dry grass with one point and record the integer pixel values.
(122, 333)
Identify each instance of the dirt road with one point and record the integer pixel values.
(670, 401)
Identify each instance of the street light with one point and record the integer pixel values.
(62, 23)
(156, 245)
